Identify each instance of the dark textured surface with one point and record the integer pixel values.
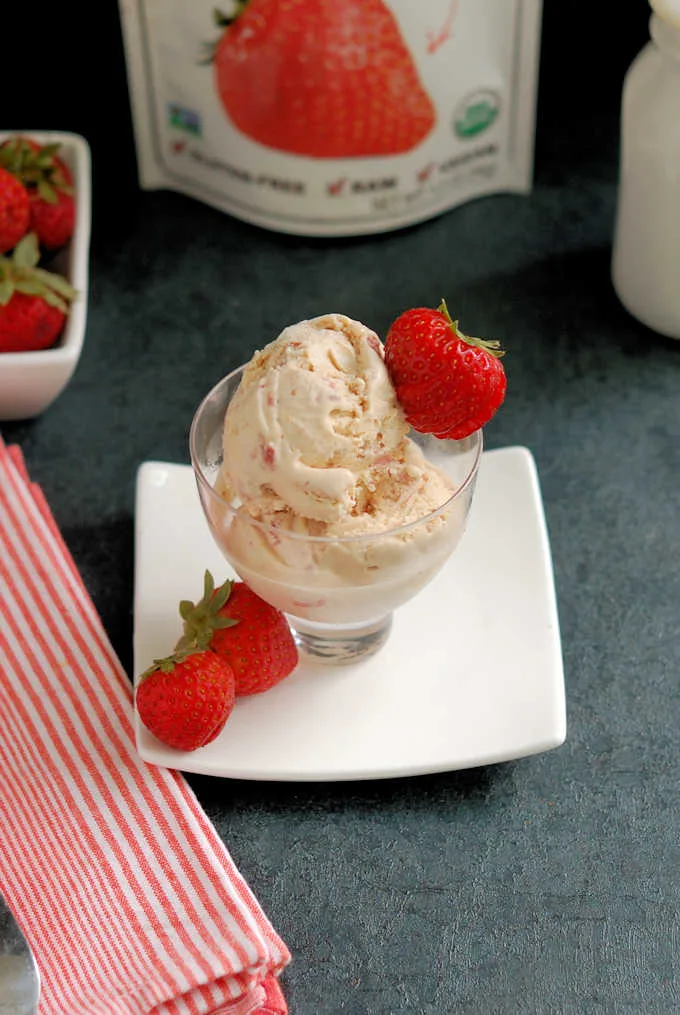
(544, 886)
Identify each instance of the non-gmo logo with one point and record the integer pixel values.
(184, 119)
(476, 113)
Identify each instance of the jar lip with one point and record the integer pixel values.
(668, 11)
(666, 33)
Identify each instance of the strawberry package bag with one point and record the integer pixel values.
(333, 117)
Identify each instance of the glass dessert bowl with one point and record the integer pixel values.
(338, 591)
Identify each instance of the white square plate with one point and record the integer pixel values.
(471, 675)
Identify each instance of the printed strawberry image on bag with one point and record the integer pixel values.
(336, 87)
(333, 117)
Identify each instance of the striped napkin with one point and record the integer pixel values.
(124, 891)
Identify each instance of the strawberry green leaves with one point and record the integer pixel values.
(20, 274)
(202, 619)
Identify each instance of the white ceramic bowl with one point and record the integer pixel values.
(30, 381)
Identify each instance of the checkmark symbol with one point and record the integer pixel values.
(425, 173)
(336, 186)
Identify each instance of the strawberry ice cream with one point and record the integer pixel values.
(315, 429)
(335, 513)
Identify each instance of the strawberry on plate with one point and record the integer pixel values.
(251, 635)
(186, 699)
(14, 211)
(34, 303)
(447, 383)
(49, 184)
(322, 78)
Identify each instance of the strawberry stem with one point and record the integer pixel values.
(168, 663)
(490, 345)
(223, 21)
(21, 274)
(202, 619)
(37, 166)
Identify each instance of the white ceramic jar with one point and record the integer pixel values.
(646, 254)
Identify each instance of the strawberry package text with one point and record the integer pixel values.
(334, 117)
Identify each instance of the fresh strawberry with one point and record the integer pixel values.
(251, 635)
(186, 699)
(34, 303)
(14, 211)
(323, 78)
(447, 383)
(49, 183)
(53, 221)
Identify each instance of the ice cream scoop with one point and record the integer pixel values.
(314, 413)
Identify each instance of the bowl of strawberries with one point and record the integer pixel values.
(45, 212)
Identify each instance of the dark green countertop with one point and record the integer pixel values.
(545, 885)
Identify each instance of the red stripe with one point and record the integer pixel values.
(243, 891)
(34, 505)
(16, 457)
(50, 795)
(239, 918)
(85, 762)
(41, 885)
(33, 500)
(122, 916)
(208, 868)
(159, 851)
(66, 620)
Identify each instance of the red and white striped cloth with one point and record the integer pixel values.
(126, 894)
